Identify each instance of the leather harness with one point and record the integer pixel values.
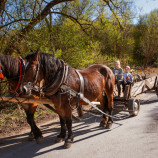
(61, 78)
(81, 82)
(59, 82)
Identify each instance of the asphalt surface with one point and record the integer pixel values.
(130, 137)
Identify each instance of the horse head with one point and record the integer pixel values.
(32, 76)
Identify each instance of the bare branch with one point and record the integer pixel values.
(34, 9)
(13, 22)
(2, 5)
(74, 20)
(21, 34)
(42, 15)
(112, 10)
(45, 1)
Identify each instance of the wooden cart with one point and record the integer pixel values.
(129, 102)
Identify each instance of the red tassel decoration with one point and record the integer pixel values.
(1, 74)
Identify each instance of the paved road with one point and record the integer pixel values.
(130, 137)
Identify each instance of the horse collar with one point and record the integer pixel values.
(61, 78)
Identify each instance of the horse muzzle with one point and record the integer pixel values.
(27, 89)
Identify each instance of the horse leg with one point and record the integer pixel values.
(110, 110)
(26, 108)
(65, 114)
(62, 135)
(30, 110)
(104, 103)
(69, 140)
(35, 130)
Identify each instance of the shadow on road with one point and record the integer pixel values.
(21, 148)
(145, 102)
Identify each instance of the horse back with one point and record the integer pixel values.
(97, 78)
(98, 70)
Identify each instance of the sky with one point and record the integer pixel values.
(144, 7)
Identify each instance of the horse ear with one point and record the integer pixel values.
(37, 54)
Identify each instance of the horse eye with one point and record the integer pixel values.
(29, 83)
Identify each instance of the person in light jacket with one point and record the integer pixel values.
(118, 72)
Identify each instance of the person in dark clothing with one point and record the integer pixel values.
(118, 72)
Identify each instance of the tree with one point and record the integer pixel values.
(15, 39)
(25, 15)
(150, 41)
(146, 38)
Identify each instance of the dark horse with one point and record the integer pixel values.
(11, 70)
(98, 84)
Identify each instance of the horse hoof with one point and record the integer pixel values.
(39, 139)
(102, 124)
(59, 140)
(30, 137)
(68, 143)
(109, 126)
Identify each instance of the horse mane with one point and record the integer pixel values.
(50, 65)
(10, 66)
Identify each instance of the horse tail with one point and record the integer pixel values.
(105, 99)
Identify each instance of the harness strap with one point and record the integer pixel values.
(66, 73)
(81, 82)
(37, 72)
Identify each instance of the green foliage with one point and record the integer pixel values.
(89, 34)
(146, 39)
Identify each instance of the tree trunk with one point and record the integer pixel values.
(146, 62)
(2, 5)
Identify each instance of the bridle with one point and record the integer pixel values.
(37, 72)
(32, 85)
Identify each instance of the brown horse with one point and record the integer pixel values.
(98, 84)
(11, 69)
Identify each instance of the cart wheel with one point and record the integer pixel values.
(134, 104)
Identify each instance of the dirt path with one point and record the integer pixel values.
(130, 137)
